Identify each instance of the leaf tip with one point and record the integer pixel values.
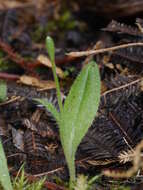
(50, 47)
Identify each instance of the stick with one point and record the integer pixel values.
(94, 52)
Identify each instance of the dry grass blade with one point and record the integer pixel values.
(94, 52)
(32, 81)
(7, 4)
(137, 163)
(101, 162)
(45, 61)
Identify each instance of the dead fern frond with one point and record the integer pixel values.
(122, 28)
(126, 156)
(137, 163)
(121, 88)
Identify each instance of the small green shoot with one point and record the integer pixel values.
(4, 173)
(21, 183)
(51, 50)
(3, 91)
(79, 109)
(81, 183)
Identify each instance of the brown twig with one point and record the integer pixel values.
(12, 99)
(94, 52)
(64, 60)
(49, 172)
(122, 87)
(29, 65)
(26, 65)
(8, 76)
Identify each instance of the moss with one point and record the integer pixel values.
(63, 23)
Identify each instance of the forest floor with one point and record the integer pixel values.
(29, 133)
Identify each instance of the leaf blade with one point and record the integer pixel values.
(4, 173)
(50, 107)
(3, 91)
(51, 48)
(80, 109)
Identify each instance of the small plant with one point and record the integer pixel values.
(79, 109)
(83, 183)
(20, 182)
(3, 91)
(4, 173)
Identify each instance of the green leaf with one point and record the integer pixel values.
(3, 91)
(79, 111)
(49, 106)
(51, 48)
(51, 51)
(4, 174)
